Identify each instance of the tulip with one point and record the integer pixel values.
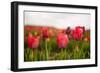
(77, 33)
(45, 32)
(82, 28)
(62, 40)
(33, 41)
(68, 30)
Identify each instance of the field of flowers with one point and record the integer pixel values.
(50, 43)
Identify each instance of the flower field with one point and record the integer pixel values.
(50, 43)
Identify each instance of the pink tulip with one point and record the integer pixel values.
(77, 33)
(81, 27)
(62, 40)
(33, 41)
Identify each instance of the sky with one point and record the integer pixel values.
(58, 20)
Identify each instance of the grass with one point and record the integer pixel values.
(50, 51)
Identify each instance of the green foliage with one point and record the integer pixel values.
(74, 50)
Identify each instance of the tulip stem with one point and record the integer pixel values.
(46, 52)
(61, 49)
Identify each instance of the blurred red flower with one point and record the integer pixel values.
(81, 27)
(77, 33)
(62, 40)
(45, 32)
(33, 41)
(68, 30)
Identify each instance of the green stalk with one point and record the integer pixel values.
(61, 57)
(46, 50)
(35, 53)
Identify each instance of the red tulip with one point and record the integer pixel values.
(45, 32)
(33, 41)
(77, 33)
(62, 40)
(82, 28)
(68, 30)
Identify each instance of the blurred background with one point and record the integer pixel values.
(58, 20)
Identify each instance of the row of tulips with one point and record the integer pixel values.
(62, 38)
